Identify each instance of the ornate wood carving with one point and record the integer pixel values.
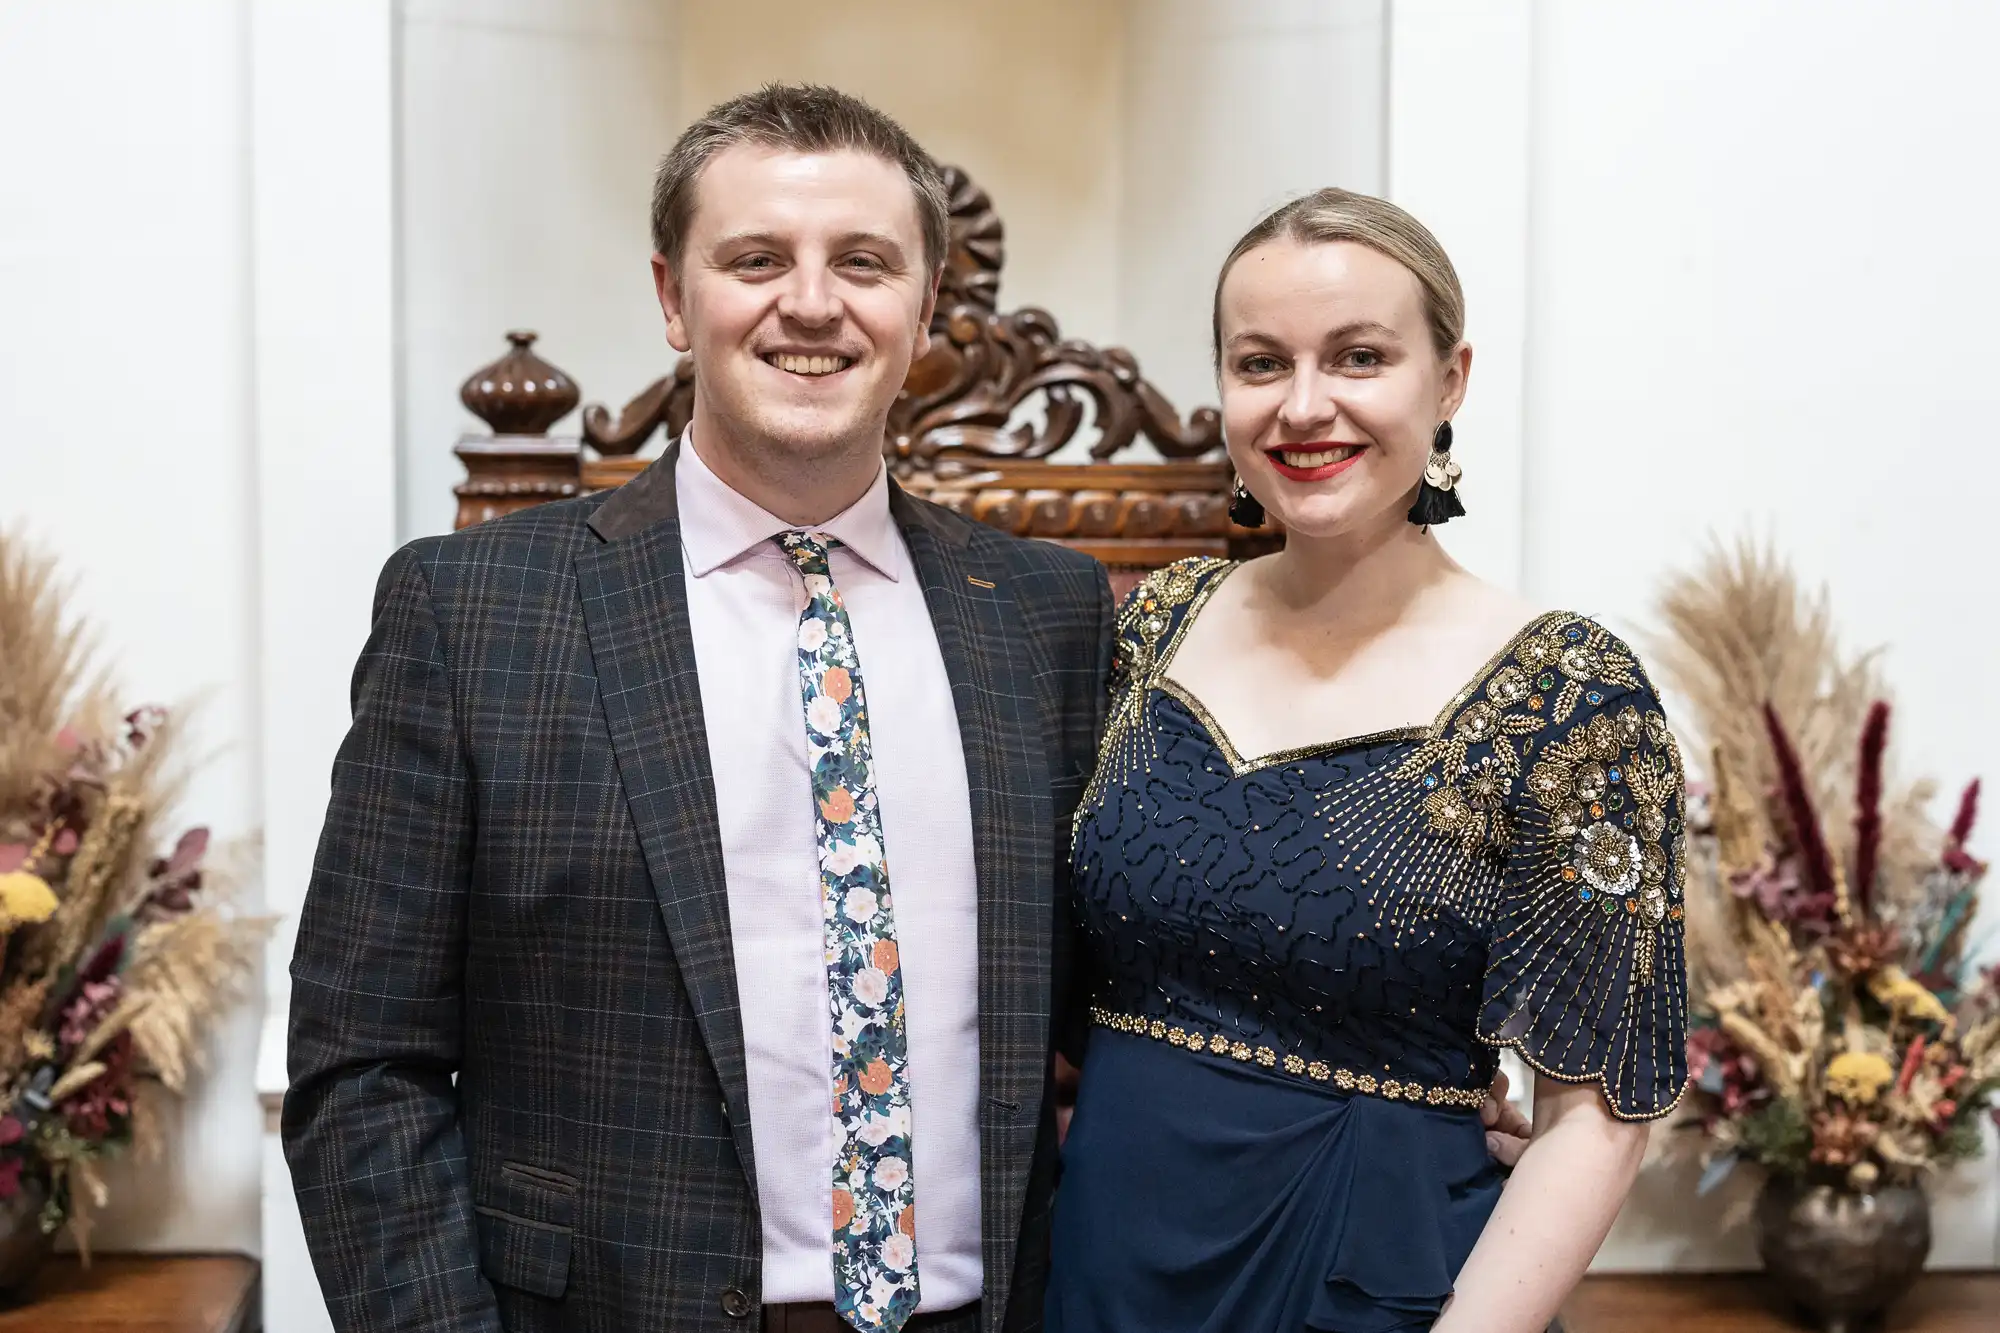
(978, 246)
(667, 401)
(978, 418)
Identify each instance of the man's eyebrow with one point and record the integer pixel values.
(845, 241)
(736, 238)
(877, 239)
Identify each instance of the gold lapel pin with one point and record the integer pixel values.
(979, 583)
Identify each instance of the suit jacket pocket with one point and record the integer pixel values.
(525, 1229)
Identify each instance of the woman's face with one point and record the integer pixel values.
(1331, 388)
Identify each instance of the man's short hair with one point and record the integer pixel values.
(801, 118)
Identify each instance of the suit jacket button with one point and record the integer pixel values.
(735, 1304)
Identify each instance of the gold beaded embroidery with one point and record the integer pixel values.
(1143, 622)
(1599, 783)
(1346, 1080)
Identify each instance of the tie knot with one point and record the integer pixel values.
(808, 550)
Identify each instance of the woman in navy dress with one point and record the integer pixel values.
(1360, 821)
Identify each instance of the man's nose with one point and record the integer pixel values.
(809, 298)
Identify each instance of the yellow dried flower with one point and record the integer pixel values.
(1858, 1077)
(25, 898)
(1906, 996)
(39, 1046)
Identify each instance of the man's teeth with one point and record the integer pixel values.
(1317, 457)
(809, 365)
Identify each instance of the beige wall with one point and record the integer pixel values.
(1025, 96)
(1230, 109)
(527, 133)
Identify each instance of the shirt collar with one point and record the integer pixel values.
(719, 524)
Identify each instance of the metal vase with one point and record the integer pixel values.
(23, 1243)
(1842, 1255)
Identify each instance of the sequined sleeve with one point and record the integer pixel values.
(1586, 975)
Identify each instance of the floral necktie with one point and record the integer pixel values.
(874, 1213)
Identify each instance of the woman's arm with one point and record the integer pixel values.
(1552, 1216)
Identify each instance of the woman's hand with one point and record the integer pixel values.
(1507, 1130)
(1068, 1076)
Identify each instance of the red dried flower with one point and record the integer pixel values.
(1968, 812)
(1725, 1072)
(1816, 862)
(176, 878)
(1956, 859)
(1863, 948)
(1868, 805)
(99, 1109)
(1780, 894)
(91, 1005)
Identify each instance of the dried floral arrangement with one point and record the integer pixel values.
(115, 961)
(1839, 1032)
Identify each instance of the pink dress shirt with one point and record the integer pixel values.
(744, 599)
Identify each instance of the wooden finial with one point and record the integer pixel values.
(520, 394)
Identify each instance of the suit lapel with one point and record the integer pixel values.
(634, 593)
(983, 643)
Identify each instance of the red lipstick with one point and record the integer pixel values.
(1318, 471)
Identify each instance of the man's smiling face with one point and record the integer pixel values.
(803, 293)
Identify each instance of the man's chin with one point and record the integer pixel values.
(819, 435)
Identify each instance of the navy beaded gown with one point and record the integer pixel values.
(1306, 962)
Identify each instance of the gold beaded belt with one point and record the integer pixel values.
(1346, 1080)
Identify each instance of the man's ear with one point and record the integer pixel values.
(923, 344)
(666, 283)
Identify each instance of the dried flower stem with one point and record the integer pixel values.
(20, 1006)
(93, 874)
(75, 1080)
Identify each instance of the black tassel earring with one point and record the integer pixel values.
(1437, 497)
(1244, 510)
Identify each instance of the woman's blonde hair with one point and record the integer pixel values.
(1330, 215)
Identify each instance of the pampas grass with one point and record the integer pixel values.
(191, 968)
(1741, 633)
(127, 959)
(47, 669)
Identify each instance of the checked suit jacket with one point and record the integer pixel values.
(517, 1093)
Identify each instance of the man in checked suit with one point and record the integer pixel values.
(645, 965)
